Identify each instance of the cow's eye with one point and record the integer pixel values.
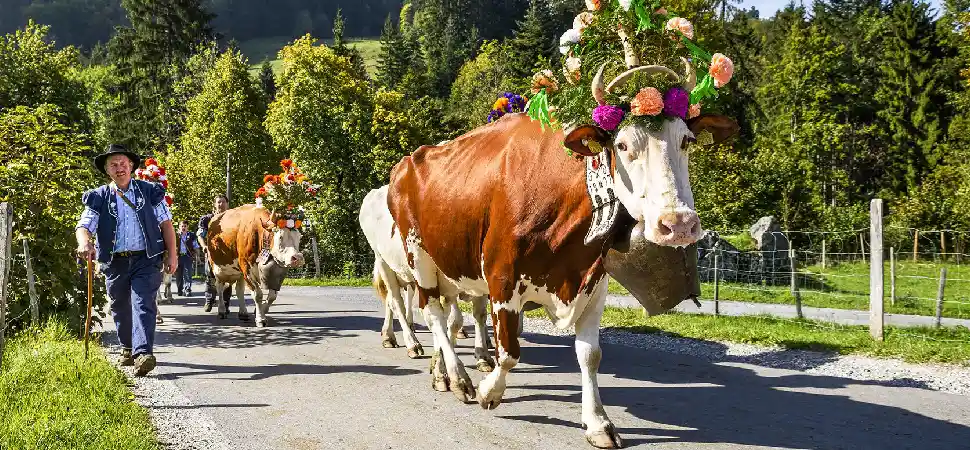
(621, 147)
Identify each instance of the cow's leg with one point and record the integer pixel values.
(600, 431)
(241, 298)
(455, 321)
(484, 362)
(458, 380)
(395, 301)
(409, 296)
(505, 321)
(261, 307)
(221, 288)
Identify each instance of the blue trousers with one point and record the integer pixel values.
(132, 284)
(183, 275)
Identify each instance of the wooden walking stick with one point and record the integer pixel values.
(87, 320)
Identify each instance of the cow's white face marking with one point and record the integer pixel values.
(653, 183)
(286, 247)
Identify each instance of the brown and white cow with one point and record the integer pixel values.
(502, 211)
(246, 246)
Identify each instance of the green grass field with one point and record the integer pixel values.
(50, 397)
(261, 49)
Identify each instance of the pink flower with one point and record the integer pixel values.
(721, 69)
(648, 102)
(571, 69)
(608, 117)
(694, 111)
(582, 21)
(682, 25)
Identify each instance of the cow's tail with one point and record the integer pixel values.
(379, 284)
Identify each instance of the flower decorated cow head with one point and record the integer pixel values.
(284, 196)
(646, 116)
(155, 173)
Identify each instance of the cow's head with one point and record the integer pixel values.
(650, 173)
(285, 245)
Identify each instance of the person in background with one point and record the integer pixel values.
(219, 204)
(188, 244)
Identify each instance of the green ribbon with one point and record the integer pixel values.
(641, 11)
(695, 50)
(539, 109)
(703, 90)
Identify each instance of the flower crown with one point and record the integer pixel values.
(285, 194)
(155, 173)
(507, 103)
(626, 30)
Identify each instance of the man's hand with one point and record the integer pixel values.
(172, 264)
(85, 251)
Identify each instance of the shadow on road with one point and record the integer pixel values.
(709, 402)
(272, 370)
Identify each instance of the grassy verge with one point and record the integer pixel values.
(258, 50)
(51, 398)
(328, 281)
(919, 345)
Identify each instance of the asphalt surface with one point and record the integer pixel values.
(319, 378)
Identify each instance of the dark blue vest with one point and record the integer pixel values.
(105, 203)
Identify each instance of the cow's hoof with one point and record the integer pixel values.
(605, 438)
(223, 315)
(260, 324)
(464, 389)
(490, 392)
(416, 352)
(389, 341)
(484, 365)
(158, 320)
(434, 360)
(462, 334)
(440, 384)
(244, 317)
(208, 307)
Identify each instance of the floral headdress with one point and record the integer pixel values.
(155, 173)
(507, 103)
(285, 194)
(608, 41)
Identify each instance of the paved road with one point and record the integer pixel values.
(319, 379)
(841, 316)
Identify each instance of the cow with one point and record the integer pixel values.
(246, 247)
(503, 211)
(392, 279)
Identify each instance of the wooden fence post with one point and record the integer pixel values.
(794, 284)
(823, 253)
(717, 286)
(943, 244)
(915, 244)
(892, 276)
(31, 290)
(875, 270)
(939, 297)
(862, 247)
(6, 235)
(316, 257)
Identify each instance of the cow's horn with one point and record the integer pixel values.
(690, 77)
(599, 93)
(629, 54)
(622, 78)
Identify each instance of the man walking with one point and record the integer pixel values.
(187, 246)
(219, 204)
(132, 227)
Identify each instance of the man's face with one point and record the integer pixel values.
(119, 169)
(220, 204)
(183, 227)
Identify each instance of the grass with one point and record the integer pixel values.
(51, 398)
(328, 281)
(268, 48)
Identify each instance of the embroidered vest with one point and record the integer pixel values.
(103, 201)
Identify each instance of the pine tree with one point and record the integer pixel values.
(909, 101)
(392, 64)
(531, 40)
(341, 48)
(267, 80)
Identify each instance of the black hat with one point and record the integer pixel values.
(115, 149)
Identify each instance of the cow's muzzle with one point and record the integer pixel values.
(675, 229)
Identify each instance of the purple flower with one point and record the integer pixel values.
(676, 102)
(608, 117)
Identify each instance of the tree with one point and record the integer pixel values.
(341, 49)
(322, 117)
(267, 80)
(480, 82)
(447, 40)
(225, 118)
(531, 41)
(393, 61)
(43, 172)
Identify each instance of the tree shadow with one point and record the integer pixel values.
(699, 400)
(256, 372)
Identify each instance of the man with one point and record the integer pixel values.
(219, 204)
(132, 226)
(187, 247)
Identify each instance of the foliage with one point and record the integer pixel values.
(448, 38)
(53, 398)
(267, 80)
(286, 194)
(394, 59)
(479, 83)
(225, 118)
(715, 170)
(33, 72)
(42, 175)
(532, 41)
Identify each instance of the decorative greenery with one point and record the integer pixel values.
(285, 194)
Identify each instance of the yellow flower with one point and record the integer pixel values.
(501, 104)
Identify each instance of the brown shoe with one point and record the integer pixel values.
(126, 359)
(144, 364)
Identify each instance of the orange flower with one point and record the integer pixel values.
(722, 68)
(267, 178)
(648, 102)
(281, 223)
(286, 163)
(694, 111)
(151, 162)
(299, 223)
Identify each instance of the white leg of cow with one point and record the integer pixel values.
(223, 305)
(241, 298)
(600, 431)
(409, 301)
(492, 388)
(455, 321)
(483, 357)
(388, 340)
(458, 380)
(261, 306)
(396, 303)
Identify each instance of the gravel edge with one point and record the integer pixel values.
(887, 372)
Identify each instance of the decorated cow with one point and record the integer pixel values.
(537, 208)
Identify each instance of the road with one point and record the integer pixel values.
(319, 378)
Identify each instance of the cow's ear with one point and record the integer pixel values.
(720, 127)
(268, 225)
(587, 140)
